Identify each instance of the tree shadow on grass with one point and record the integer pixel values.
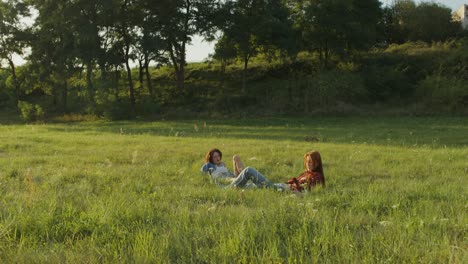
(393, 131)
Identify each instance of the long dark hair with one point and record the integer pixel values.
(209, 155)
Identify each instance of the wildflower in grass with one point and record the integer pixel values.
(385, 223)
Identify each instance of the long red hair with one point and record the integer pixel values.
(316, 160)
(311, 178)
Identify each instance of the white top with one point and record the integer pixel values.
(221, 171)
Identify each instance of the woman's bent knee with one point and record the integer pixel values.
(250, 170)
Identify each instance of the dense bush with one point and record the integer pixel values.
(384, 83)
(442, 93)
(118, 111)
(30, 112)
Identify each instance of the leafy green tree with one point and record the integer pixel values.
(431, 22)
(361, 31)
(124, 23)
(338, 26)
(393, 20)
(224, 51)
(54, 47)
(151, 46)
(253, 25)
(85, 23)
(179, 21)
(427, 21)
(277, 32)
(13, 36)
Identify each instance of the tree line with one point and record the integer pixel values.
(91, 45)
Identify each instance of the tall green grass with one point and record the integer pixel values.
(119, 192)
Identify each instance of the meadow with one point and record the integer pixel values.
(131, 192)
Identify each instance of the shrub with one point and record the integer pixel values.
(118, 111)
(343, 86)
(30, 112)
(148, 107)
(386, 82)
(445, 93)
(326, 88)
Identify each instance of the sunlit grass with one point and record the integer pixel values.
(132, 192)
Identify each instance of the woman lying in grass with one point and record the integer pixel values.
(240, 178)
(312, 175)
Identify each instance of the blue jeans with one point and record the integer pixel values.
(251, 174)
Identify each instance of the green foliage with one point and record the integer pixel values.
(30, 112)
(12, 33)
(118, 111)
(324, 91)
(338, 27)
(443, 93)
(432, 22)
(332, 86)
(426, 21)
(5, 92)
(387, 83)
(148, 108)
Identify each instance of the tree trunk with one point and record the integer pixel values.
(55, 96)
(64, 96)
(244, 73)
(180, 79)
(306, 95)
(140, 72)
(116, 82)
(131, 89)
(223, 73)
(15, 80)
(290, 87)
(89, 82)
(130, 83)
(178, 67)
(148, 78)
(181, 53)
(320, 50)
(327, 53)
(104, 73)
(129, 76)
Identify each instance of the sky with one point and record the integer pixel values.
(199, 50)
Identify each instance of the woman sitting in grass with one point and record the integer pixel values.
(240, 177)
(312, 175)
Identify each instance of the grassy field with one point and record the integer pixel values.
(119, 192)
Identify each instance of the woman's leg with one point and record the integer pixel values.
(237, 165)
(253, 175)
